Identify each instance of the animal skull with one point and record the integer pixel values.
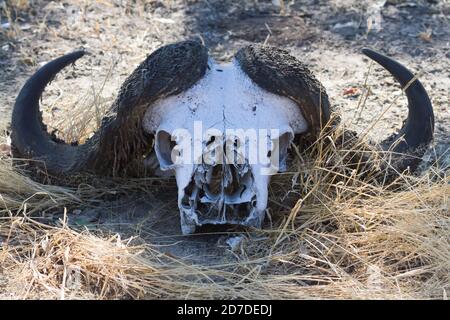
(224, 174)
(223, 130)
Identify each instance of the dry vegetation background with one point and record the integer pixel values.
(332, 233)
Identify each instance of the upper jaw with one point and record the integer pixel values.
(224, 201)
(249, 217)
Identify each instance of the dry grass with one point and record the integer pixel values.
(343, 237)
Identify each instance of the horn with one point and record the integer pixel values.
(120, 142)
(29, 137)
(417, 130)
(276, 71)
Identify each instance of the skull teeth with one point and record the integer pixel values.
(229, 205)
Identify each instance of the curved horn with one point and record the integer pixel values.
(29, 136)
(120, 142)
(417, 131)
(278, 72)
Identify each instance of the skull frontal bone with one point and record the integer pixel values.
(223, 138)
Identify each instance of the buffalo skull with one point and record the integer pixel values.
(222, 129)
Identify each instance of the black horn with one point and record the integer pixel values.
(29, 136)
(417, 130)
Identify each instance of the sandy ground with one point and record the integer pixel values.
(327, 35)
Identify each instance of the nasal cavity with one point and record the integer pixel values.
(223, 178)
(232, 184)
(215, 179)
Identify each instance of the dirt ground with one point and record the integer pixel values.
(326, 35)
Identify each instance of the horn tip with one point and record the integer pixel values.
(369, 52)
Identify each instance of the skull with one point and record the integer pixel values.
(223, 130)
(223, 139)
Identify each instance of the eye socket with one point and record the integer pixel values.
(165, 149)
(283, 146)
